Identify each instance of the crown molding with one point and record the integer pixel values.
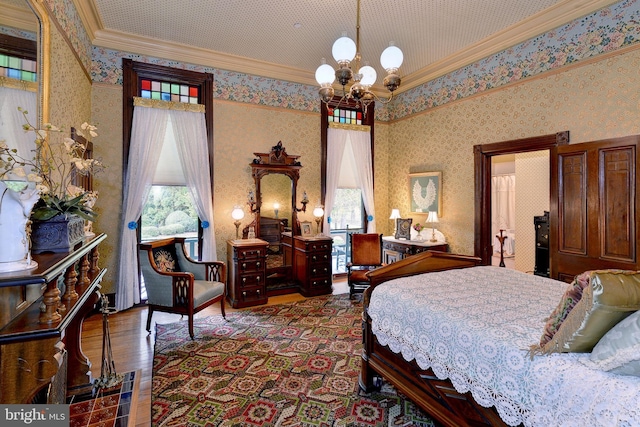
(17, 17)
(546, 20)
(194, 55)
(90, 16)
(542, 22)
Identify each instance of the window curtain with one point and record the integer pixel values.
(150, 123)
(148, 127)
(503, 203)
(190, 133)
(360, 140)
(11, 120)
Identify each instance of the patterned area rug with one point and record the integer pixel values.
(284, 365)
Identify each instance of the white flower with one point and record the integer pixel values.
(34, 177)
(43, 189)
(19, 172)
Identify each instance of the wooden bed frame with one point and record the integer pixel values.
(437, 397)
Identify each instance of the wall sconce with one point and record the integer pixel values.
(237, 213)
(304, 202)
(276, 207)
(433, 218)
(251, 201)
(318, 212)
(395, 214)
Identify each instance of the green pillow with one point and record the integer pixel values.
(609, 297)
(619, 349)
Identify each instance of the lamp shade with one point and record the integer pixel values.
(325, 74)
(395, 214)
(433, 217)
(369, 75)
(318, 211)
(344, 49)
(237, 213)
(391, 58)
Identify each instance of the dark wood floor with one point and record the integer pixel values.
(132, 346)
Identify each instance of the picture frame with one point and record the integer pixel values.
(306, 230)
(403, 228)
(425, 192)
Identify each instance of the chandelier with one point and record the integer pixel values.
(346, 53)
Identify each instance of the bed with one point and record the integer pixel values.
(467, 360)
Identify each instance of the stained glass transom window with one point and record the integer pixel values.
(18, 68)
(343, 115)
(153, 89)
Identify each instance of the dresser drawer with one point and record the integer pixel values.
(320, 257)
(251, 281)
(397, 247)
(249, 297)
(321, 284)
(243, 254)
(320, 270)
(250, 265)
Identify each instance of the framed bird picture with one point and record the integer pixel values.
(425, 192)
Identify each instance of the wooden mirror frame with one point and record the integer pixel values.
(277, 161)
(19, 19)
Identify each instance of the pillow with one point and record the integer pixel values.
(165, 259)
(607, 297)
(618, 350)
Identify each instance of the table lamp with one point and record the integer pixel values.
(237, 213)
(318, 212)
(395, 214)
(433, 218)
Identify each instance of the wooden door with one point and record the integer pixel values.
(594, 207)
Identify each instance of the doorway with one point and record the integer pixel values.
(483, 154)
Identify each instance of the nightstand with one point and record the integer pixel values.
(246, 272)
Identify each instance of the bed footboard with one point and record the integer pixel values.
(437, 397)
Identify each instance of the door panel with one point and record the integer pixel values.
(594, 190)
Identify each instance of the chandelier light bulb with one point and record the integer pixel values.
(325, 74)
(391, 58)
(344, 49)
(368, 74)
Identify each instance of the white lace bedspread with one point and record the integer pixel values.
(474, 326)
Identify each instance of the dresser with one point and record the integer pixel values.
(313, 265)
(246, 272)
(41, 316)
(394, 250)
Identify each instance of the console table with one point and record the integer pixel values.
(394, 250)
(41, 315)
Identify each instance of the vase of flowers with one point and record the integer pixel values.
(58, 216)
(418, 227)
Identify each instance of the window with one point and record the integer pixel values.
(348, 213)
(169, 209)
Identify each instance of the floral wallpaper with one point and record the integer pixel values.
(607, 30)
(66, 15)
(594, 101)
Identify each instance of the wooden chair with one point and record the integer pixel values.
(177, 284)
(366, 254)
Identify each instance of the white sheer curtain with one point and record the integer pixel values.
(503, 203)
(361, 146)
(11, 120)
(336, 141)
(191, 139)
(360, 141)
(148, 127)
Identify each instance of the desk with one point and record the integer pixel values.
(394, 250)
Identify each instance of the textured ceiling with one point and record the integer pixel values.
(288, 38)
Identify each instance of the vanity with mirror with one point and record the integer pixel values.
(293, 263)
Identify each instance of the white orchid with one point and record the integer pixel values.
(56, 163)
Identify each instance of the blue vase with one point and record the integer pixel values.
(59, 234)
